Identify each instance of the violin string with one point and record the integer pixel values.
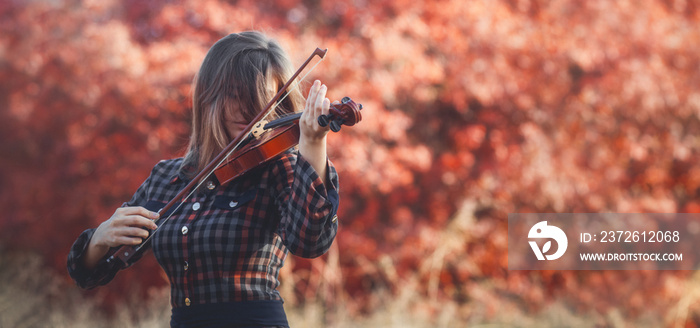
(206, 177)
(290, 89)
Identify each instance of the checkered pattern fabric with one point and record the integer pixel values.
(228, 243)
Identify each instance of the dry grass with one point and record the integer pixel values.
(33, 296)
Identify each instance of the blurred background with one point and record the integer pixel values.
(473, 110)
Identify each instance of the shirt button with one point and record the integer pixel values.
(187, 265)
(187, 301)
(185, 230)
(232, 204)
(195, 206)
(210, 185)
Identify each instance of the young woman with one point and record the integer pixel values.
(223, 248)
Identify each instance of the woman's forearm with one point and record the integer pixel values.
(94, 254)
(315, 153)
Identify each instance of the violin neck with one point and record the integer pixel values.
(282, 121)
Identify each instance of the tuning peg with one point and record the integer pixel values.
(335, 126)
(323, 120)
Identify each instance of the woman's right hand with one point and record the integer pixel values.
(127, 226)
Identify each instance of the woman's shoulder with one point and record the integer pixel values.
(169, 165)
(168, 168)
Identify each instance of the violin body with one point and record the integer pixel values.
(280, 135)
(258, 152)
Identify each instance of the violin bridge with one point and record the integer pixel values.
(258, 129)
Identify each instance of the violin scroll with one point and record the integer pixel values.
(345, 113)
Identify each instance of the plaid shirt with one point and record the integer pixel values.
(228, 243)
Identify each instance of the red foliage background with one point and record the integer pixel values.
(473, 109)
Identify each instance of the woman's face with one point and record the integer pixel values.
(235, 123)
(234, 120)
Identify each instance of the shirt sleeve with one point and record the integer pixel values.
(308, 208)
(83, 277)
(103, 272)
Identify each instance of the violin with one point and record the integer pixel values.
(257, 144)
(269, 139)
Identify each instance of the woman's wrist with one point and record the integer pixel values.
(309, 141)
(95, 251)
(314, 151)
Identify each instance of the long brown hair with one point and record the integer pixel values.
(234, 76)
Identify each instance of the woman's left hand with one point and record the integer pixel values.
(316, 105)
(312, 141)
